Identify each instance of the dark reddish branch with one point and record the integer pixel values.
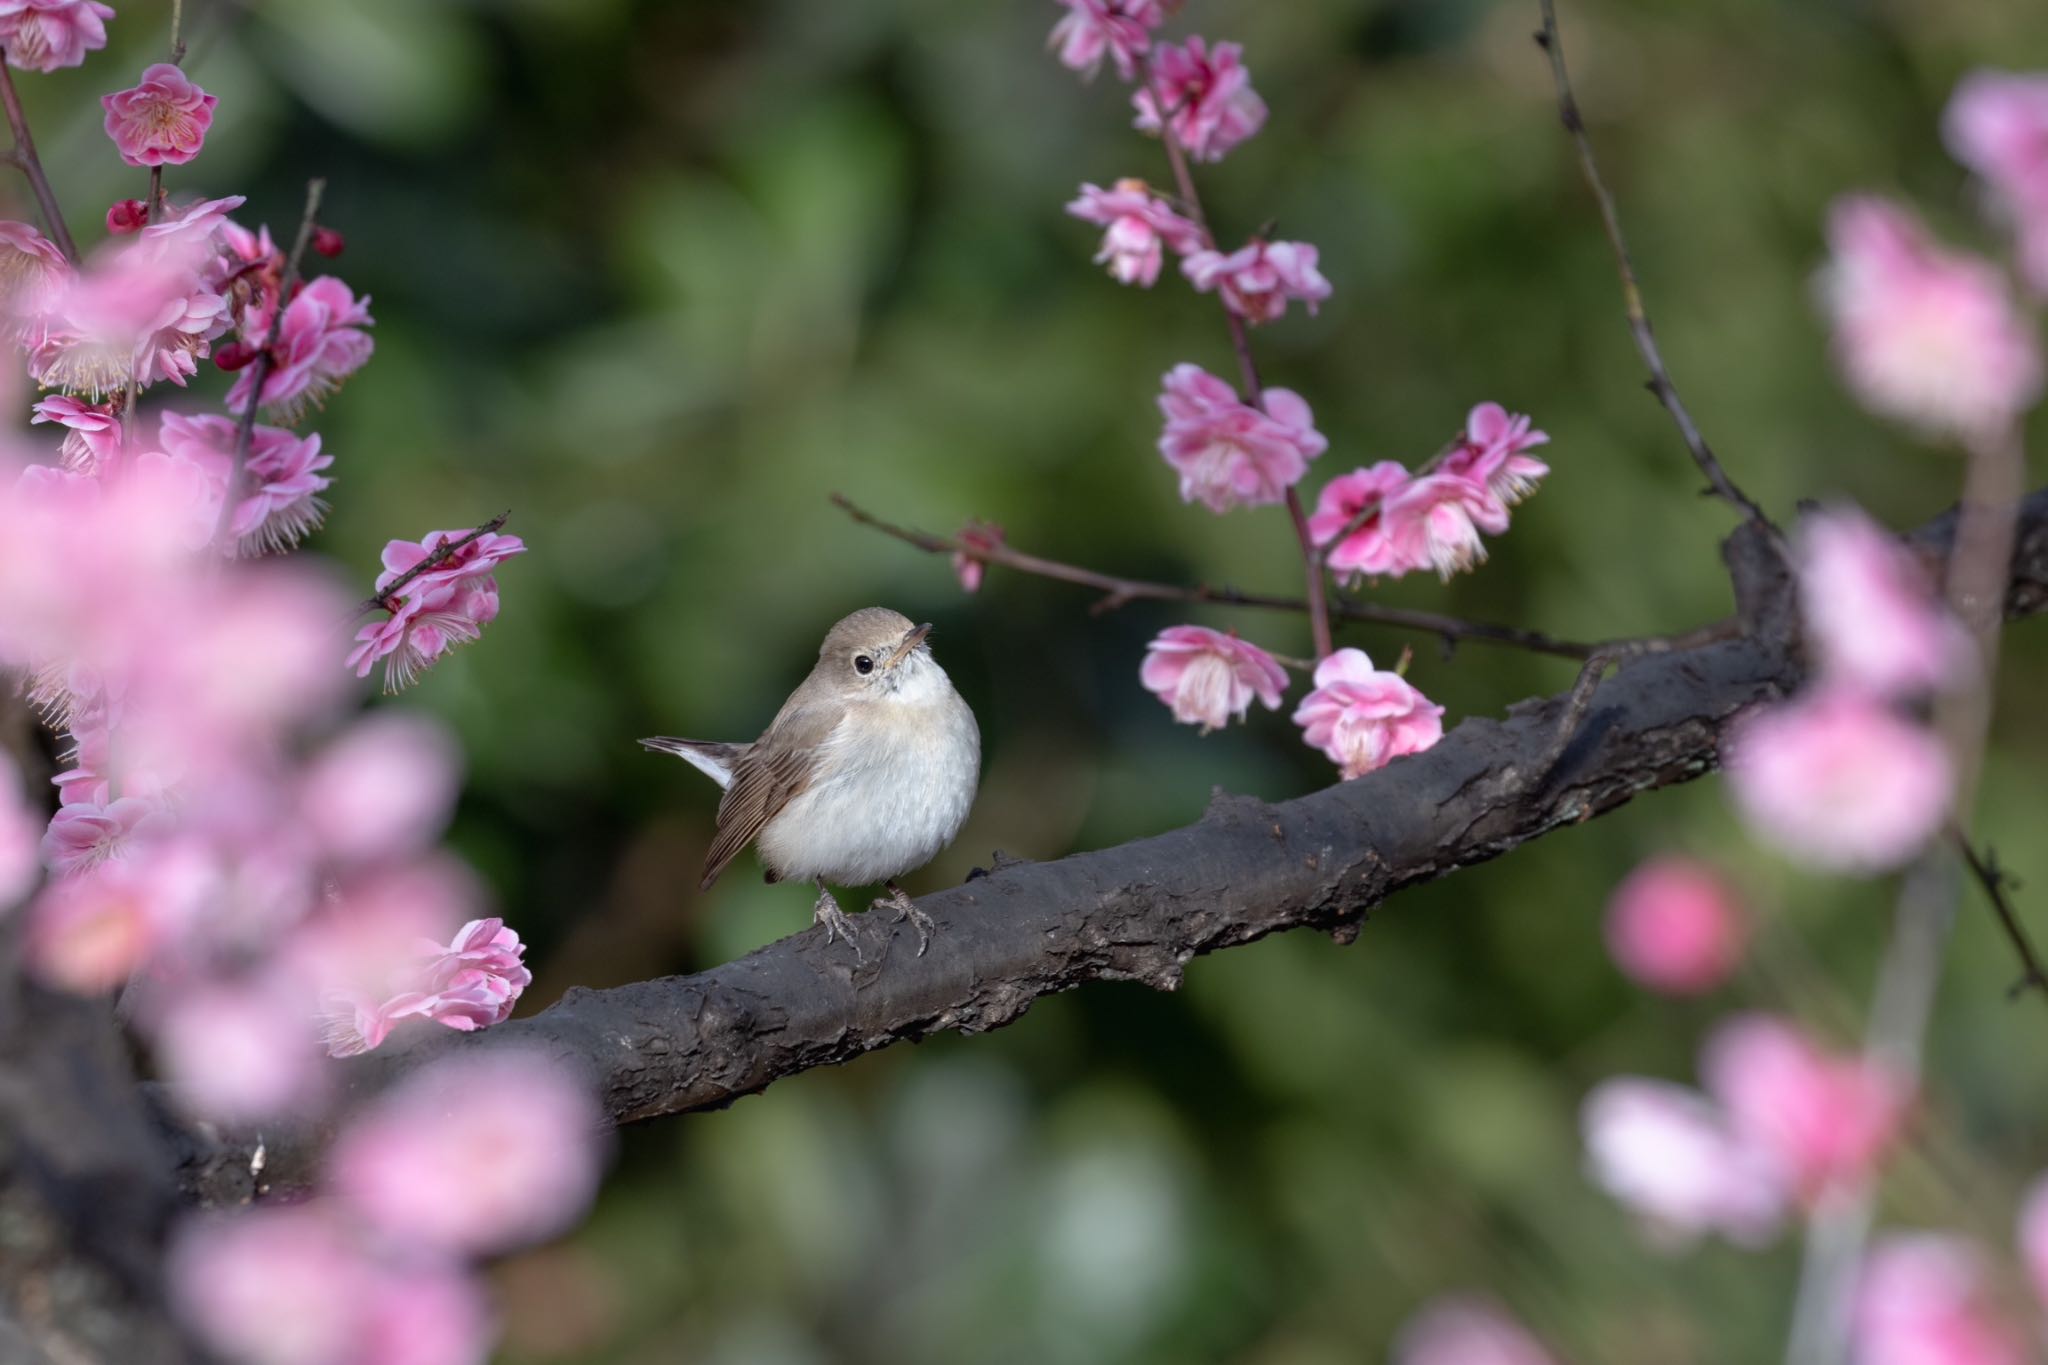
(1142, 911)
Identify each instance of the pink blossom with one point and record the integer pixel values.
(1208, 96)
(1871, 609)
(385, 788)
(1362, 717)
(140, 313)
(274, 1285)
(1670, 1156)
(439, 610)
(1207, 677)
(977, 535)
(1119, 28)
(1929, 1299)
(1839, 780)
(321, 343)
(125, 216)
(1924, 335)
(33, 273)
(43, 35)
(425, 1315)
(472, 983)
(1825, 1121)
(93, 433)
(88, 932)
(1228, 453)
(1494, 453)
(1360, 496)
(162, 121)
(1435, 522)
(1257, 280)
(237, 1052)
(474, 1153)
(83, 835)
(1466, 1331)
(1675, 926)
(1140, 225)
(1997, 125)
(282, 480)
(19, 823)
(2033, 1236)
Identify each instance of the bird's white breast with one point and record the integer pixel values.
(896, 779)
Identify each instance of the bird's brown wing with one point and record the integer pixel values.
(773, 771)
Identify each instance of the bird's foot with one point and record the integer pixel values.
(906, 909)
(837, 925)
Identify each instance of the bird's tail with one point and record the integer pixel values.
(709, 757)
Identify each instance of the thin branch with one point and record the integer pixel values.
(439, 556)
(1994, 880)
(266, 361)
(1120, 591)
(1639, 327)
(1317, 605)
(1140, 911)
(24, 156)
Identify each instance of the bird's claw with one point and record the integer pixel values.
(837, 925)
(906, 909)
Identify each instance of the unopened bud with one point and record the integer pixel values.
(235, 355)
(328, 242)
(126, 216)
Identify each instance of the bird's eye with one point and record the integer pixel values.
(863, 664)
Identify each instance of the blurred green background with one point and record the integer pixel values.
(660, 276)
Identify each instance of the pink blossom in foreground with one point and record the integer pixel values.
(282, 480)
(1494, 453)
(1258, 280)
(1362, 717)
(1929, 1299)
(237, 1053)
(446, 607)
(139, 314)
(83, 835)
(1435, 522)
(92, 433)
(297, 1285)
(162, 121)
(33, 274)
(978, 535)
(1140, 225)
(2033, 1236)
(321, 343)
(88, 932)
(1997, 125)
(1207, 677)
(1359, 497)
(384, 789)
(1228, 453)
(1118, 29)
(43, 35)
(1872, 611)
(1206, 94)
(1675, 926)
(472, 983)
(1839, 780)
(1670, 1156)
(1826, 1121)
(20, 825)
(1466, 1331)
(1924, 335)
(474, 1153)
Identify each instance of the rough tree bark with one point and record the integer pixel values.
(1141, 911)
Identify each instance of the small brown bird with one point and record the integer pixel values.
(866, 772)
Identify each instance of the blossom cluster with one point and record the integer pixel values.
(255, 869)
(1231, 447)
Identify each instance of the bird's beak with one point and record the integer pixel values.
(909, 646)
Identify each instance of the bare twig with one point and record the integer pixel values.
(1317, 605)
(1995, 879)
(1661, 384)
(1119, 591)
(266, 361)
(24, 157)
(439, 556)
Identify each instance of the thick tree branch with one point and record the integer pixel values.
(1143, 910)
